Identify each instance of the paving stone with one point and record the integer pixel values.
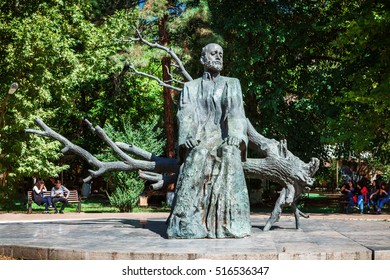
(141, 236)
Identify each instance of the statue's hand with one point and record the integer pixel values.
(233, 141)
(191, 143)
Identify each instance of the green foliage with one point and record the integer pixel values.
(127, 185)
(313, 72)
(362, 46)
(145, 135)
(35, 161)
(65, 58)
(37, 52)
(126, 194)
(275, 49)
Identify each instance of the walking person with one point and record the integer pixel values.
(59, 193)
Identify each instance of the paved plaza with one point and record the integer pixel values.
(140, 236)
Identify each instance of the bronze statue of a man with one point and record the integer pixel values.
(211, 198)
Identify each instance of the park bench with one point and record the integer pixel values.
(332, 202)
(343, 203)
(73, 198)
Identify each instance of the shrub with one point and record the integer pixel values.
(127, 185)
(125, 195)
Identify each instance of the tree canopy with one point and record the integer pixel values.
(68, 64)
(318, 71)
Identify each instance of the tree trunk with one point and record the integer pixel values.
(168, 112)
(168, 104)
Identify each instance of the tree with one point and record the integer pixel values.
(38, 58)
(69, 66)
(362, 47)
(166, 22)
(318, 67)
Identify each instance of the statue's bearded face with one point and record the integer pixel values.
(213, 58)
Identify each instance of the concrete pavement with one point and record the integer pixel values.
(91, 236)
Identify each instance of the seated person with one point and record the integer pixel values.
(372, 197)
(58, 195)
(384, 197)
(361, 194)
(349, 192)
(39, 198)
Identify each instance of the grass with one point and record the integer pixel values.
(312, 203)
(309, 203)
(93, 204)
(319, 203)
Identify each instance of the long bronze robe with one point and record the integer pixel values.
(211, 198)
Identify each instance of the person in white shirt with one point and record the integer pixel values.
(38, 196)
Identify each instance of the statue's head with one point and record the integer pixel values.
(212, 57)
